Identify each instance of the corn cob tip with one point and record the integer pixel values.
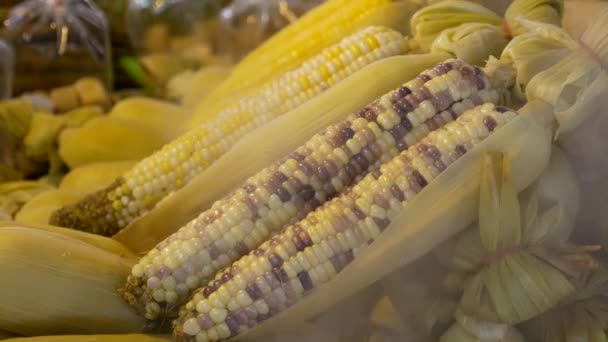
(90, 214)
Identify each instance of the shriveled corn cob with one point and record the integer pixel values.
(311, 252)
(286, 191)
(107, 211)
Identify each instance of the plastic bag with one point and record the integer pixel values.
(7, 63)
(245, 24)
(57, 42)
(156, 26)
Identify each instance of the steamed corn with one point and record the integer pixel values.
(138, 191)
(282, 194)
(309, 253)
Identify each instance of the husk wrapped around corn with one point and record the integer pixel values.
(521, 267)
(429, 22)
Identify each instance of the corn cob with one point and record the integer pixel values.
(283, 193)
(319, 28)
(107, 211)
(312, 251)
(292, 129)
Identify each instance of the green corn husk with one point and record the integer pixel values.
(429, 22)
(536, 50)
(523, 267)
(546, 11)
(577, 84)
(472, 42)
(585, 318)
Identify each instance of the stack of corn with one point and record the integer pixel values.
(140, 192)
(374, 188)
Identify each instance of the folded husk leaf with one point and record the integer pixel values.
(536, 50)
(430, 21)
(472, 42)
(546, 11)
(527, 267)
(583, 319)
(578, 84)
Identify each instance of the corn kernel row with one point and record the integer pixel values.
(138, 191)
(311, 252)
(286, 191)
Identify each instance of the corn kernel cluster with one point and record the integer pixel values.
(309, 253)
(283, 193)
(168, 170)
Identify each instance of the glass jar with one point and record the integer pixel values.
(57, 42)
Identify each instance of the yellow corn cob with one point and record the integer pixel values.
(313, 251)
(292, 129)
(317, 171)
(53, 284)
(109, 210)
(316, 30)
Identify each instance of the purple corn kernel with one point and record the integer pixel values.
(304, 278)
(490, 123)
(251, 312)
(306, 168)
(418, 177)
(275, 260)
(501, 109)
(207, 291)
(382, 223)
(254, 291)
(204, 321)
(323, 174)
(397, 193)
(272, 281)
(460, 150)
(249, 188)
(241, 249)
(401, 146)
(306, 192)
(258, 252)
(439, 165)
(297, 156)
(241, 316)
(381, 201)
(214, 252)
(232, 324)
(250, 204)
(280, 274)
(424, 78)
(368, 114)
(283, 194)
